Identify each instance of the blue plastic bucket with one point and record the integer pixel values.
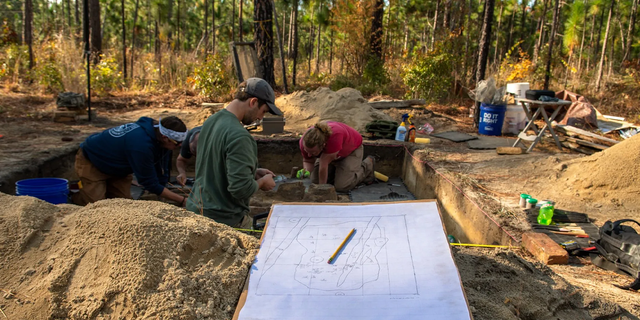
(52, 190)
(491, 119)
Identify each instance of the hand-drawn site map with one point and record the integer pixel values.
(365, 266)
(396, 265)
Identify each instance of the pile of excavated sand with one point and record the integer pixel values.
(199, 117)
(607, 178)
(118, 259)
(303, 109)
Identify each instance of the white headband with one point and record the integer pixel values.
(175, 135)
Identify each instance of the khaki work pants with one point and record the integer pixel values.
(96, 185)
(346, 173)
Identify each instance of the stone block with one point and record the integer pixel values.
(320, 193)
(291, 191)
(544, 248)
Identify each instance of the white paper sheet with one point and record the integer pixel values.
(397, 265)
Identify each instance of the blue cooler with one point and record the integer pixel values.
(491, 119)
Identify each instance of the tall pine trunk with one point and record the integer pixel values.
(552, 36)
(263, 38)
(318, 49)
(27, 29)
(96, 34)
(206, 27)
(630, 31)
(240, 2)
(124, 41)
(536, 50)
(133, 34)
(584, 31)
(295, 45)
(495, 51)
(375, 40)
(483, 47)
(213, 27)
(604, 46)
(435, 25)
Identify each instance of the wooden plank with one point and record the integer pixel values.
(509, 150)
(576, 147)
(388, 104)
(585, 135)
(584, 143)
(544, 249)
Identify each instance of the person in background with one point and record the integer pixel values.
(106, 160)
(227, 172)
(188, 151)
(332, 152)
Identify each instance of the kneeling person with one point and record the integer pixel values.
(106, 161)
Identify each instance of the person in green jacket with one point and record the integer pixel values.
(227, 172)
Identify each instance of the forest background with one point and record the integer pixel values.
(430, 49)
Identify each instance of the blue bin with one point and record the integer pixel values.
(52, 190)
(491, 119)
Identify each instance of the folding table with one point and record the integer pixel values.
(540, 105)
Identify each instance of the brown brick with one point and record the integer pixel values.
(544, 249)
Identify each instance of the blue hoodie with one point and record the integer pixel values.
(131, 148)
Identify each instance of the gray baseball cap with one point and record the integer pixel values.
(262, 90)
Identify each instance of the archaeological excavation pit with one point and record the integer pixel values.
(410, 178)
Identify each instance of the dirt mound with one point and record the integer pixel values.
(500, 284)
(118, 259)
(302, 109)
(197, 118)
(606, 179)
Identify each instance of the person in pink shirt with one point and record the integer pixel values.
(332, 152)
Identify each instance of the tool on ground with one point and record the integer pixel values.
(575, 234)
(303, 173)
(380, 176)
(570, 245)
(344, 242)
(482, 245)
(423, 140)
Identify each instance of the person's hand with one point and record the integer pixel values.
(266, 183)
(182, 179)
(261, 172)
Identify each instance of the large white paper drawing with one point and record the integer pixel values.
(397, 265)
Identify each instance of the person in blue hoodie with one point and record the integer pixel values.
(106, 160)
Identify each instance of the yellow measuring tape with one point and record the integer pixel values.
(482, 245)
(248, 230)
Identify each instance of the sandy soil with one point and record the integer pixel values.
(53, 250)
(150, 260)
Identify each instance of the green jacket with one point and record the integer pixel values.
(225, 170)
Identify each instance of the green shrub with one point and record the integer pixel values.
(105, 76)
(430, 75)
(14, 62)
(211, 78)
(47, 72)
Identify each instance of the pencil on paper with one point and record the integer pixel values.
(344, 242)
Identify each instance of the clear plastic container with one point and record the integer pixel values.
(531, 203)
(523, 200)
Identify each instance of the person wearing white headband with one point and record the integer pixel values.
(107, 160)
